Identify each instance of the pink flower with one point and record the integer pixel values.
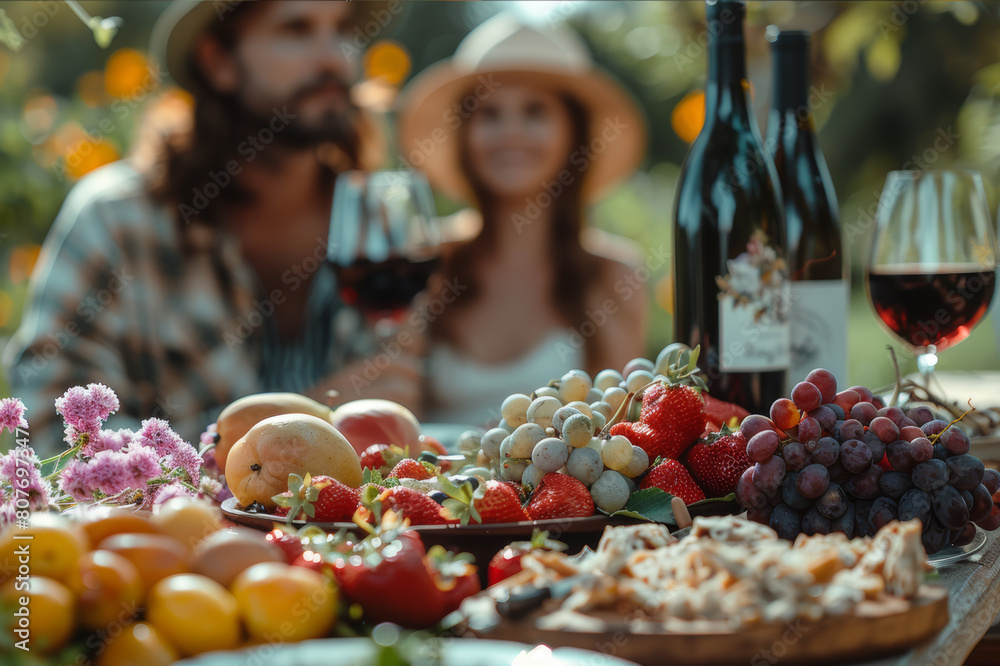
(156, 433)
(210, 436)
(81, 414)
(108, 472)
(12, 414)
(142, 465)
(18, 457)
(8, 514)
(104, 400)
(187, 458)
(170, 491)
(29, 482)
(108, 440)
(209, 488)
(74, 480)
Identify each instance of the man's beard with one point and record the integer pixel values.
(334, 126)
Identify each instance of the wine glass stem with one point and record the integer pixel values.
(925, 364)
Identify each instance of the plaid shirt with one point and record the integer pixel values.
(173, 319)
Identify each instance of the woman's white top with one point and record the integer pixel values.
(470, 393)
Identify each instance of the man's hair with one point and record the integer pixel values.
(180, 146)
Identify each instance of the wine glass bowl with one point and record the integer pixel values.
(932, 268)
(384, 241)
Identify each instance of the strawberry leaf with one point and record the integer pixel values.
(294, 484)
(651, 504)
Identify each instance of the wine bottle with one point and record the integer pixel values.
(731, 287)
(817, 265)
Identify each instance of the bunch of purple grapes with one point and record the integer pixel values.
(843, 462)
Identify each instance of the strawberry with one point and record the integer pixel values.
(411, 469)
(454, 575)
(290, 543)
(646, 438)
(499, 503)
(390, 579)
(672, 477)
(507, 562)
(720, 413)
(382, 457)
(560, 496)
(718, 461)
(320, 498)
(676, 414)
(414, 505)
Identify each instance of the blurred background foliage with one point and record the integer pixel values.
(889, 79)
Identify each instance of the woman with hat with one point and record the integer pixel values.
(522, 125)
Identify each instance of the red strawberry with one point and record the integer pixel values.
(720, 413)
(382, 457)
(413, 504)
(391, 581)
(718, 461)
(500, 503)
(647, 439)
(454, 575)
(560, 496)
(290, 543)
(673, 477)
(321, 499)
(411, 469)
(507, 562)
(676, 414)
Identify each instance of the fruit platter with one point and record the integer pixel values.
(631, 503)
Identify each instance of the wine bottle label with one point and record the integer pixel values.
(754, 332)
(819, 328)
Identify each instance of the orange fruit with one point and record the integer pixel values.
(108, 589)
(101, 522)
(138, 644)
(282, 602)
(155, 556)
(188, 520)
(194, 613)
(49, 617)
(55, 545)
(259, 463)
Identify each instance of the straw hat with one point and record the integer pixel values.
(177, 30)
(434, 104)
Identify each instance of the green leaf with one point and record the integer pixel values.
(653, 504)
(294, 483)
(310, 510)
(312, 494)
(649, 504)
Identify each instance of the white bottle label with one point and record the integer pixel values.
(819, 328)
(753, 311)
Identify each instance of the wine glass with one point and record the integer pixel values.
(932, 269)
(384, 242)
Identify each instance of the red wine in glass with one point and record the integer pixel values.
(938, 308)
(384, 289)
(384, 241)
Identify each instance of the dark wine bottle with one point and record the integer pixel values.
(817, 265)
(731, 287)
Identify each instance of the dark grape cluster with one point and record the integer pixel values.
(828, 461)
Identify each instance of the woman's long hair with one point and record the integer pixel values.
(573, 268)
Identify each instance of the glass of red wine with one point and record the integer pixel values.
(933, 262)
(384, 242)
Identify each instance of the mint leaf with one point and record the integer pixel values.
(649, 504)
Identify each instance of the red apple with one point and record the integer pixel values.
(372, 421)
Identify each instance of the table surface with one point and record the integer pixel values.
(973, 602)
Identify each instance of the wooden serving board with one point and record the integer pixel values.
(874, 629)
